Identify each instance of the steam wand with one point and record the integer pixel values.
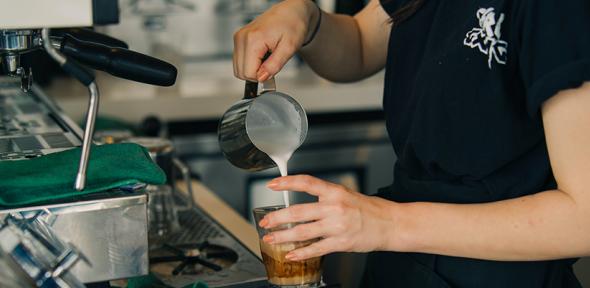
(87, 79)
(117, 61)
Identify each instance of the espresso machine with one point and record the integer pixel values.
(45, 242)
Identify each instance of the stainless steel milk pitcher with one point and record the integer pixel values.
(235, 140)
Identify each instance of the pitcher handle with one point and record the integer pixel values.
(251, 90)
(268, 85)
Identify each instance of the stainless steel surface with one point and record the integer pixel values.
(50, 49)
(88, 135)
(268, 85)
(110, 231)
(11, 275)
(13, 43)
(10, 62)
(39, 254)
(235, 141)
(56, 112)
(19, 40)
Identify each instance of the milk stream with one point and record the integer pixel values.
(275, 127)
(281, 161)
(279, 146)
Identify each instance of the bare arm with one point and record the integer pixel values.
(344, 49)
(548, 225)
(350, 48)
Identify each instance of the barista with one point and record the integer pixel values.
(486, 106)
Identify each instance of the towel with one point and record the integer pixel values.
(51, 177)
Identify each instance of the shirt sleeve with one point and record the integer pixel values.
(554, 52)
(390, 6)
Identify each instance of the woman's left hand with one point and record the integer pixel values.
(345, 220)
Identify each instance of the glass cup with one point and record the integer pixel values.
(280, 271)
(162, 214)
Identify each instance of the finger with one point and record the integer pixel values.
(316, 249)
(238, 55)
(242, 63)
(293, 214)
(301, 232)
(234, 62)
(253, 54)
(305, 183)
(277, 60)
(235, 54)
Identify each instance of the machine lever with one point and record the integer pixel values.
(120, 62)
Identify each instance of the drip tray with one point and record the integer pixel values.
(205, 252)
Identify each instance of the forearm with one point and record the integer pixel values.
(548, 225)
(345, 48)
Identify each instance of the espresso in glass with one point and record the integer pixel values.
(280, 271)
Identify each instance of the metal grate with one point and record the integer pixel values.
(28, 143)
(5, 146)
(57, 141)
(196, 228)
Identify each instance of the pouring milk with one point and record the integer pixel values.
(275, 127)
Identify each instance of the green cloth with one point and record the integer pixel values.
(198, 285)
(147, 281)
(51, 177)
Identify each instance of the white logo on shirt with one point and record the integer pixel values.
(487, 36)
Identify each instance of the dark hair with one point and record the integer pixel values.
(402, 14)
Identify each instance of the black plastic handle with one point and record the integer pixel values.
(88, 35)
(120, 62)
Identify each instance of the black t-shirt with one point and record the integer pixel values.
(464, 85)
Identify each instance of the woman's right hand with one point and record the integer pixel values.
(281, 30)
